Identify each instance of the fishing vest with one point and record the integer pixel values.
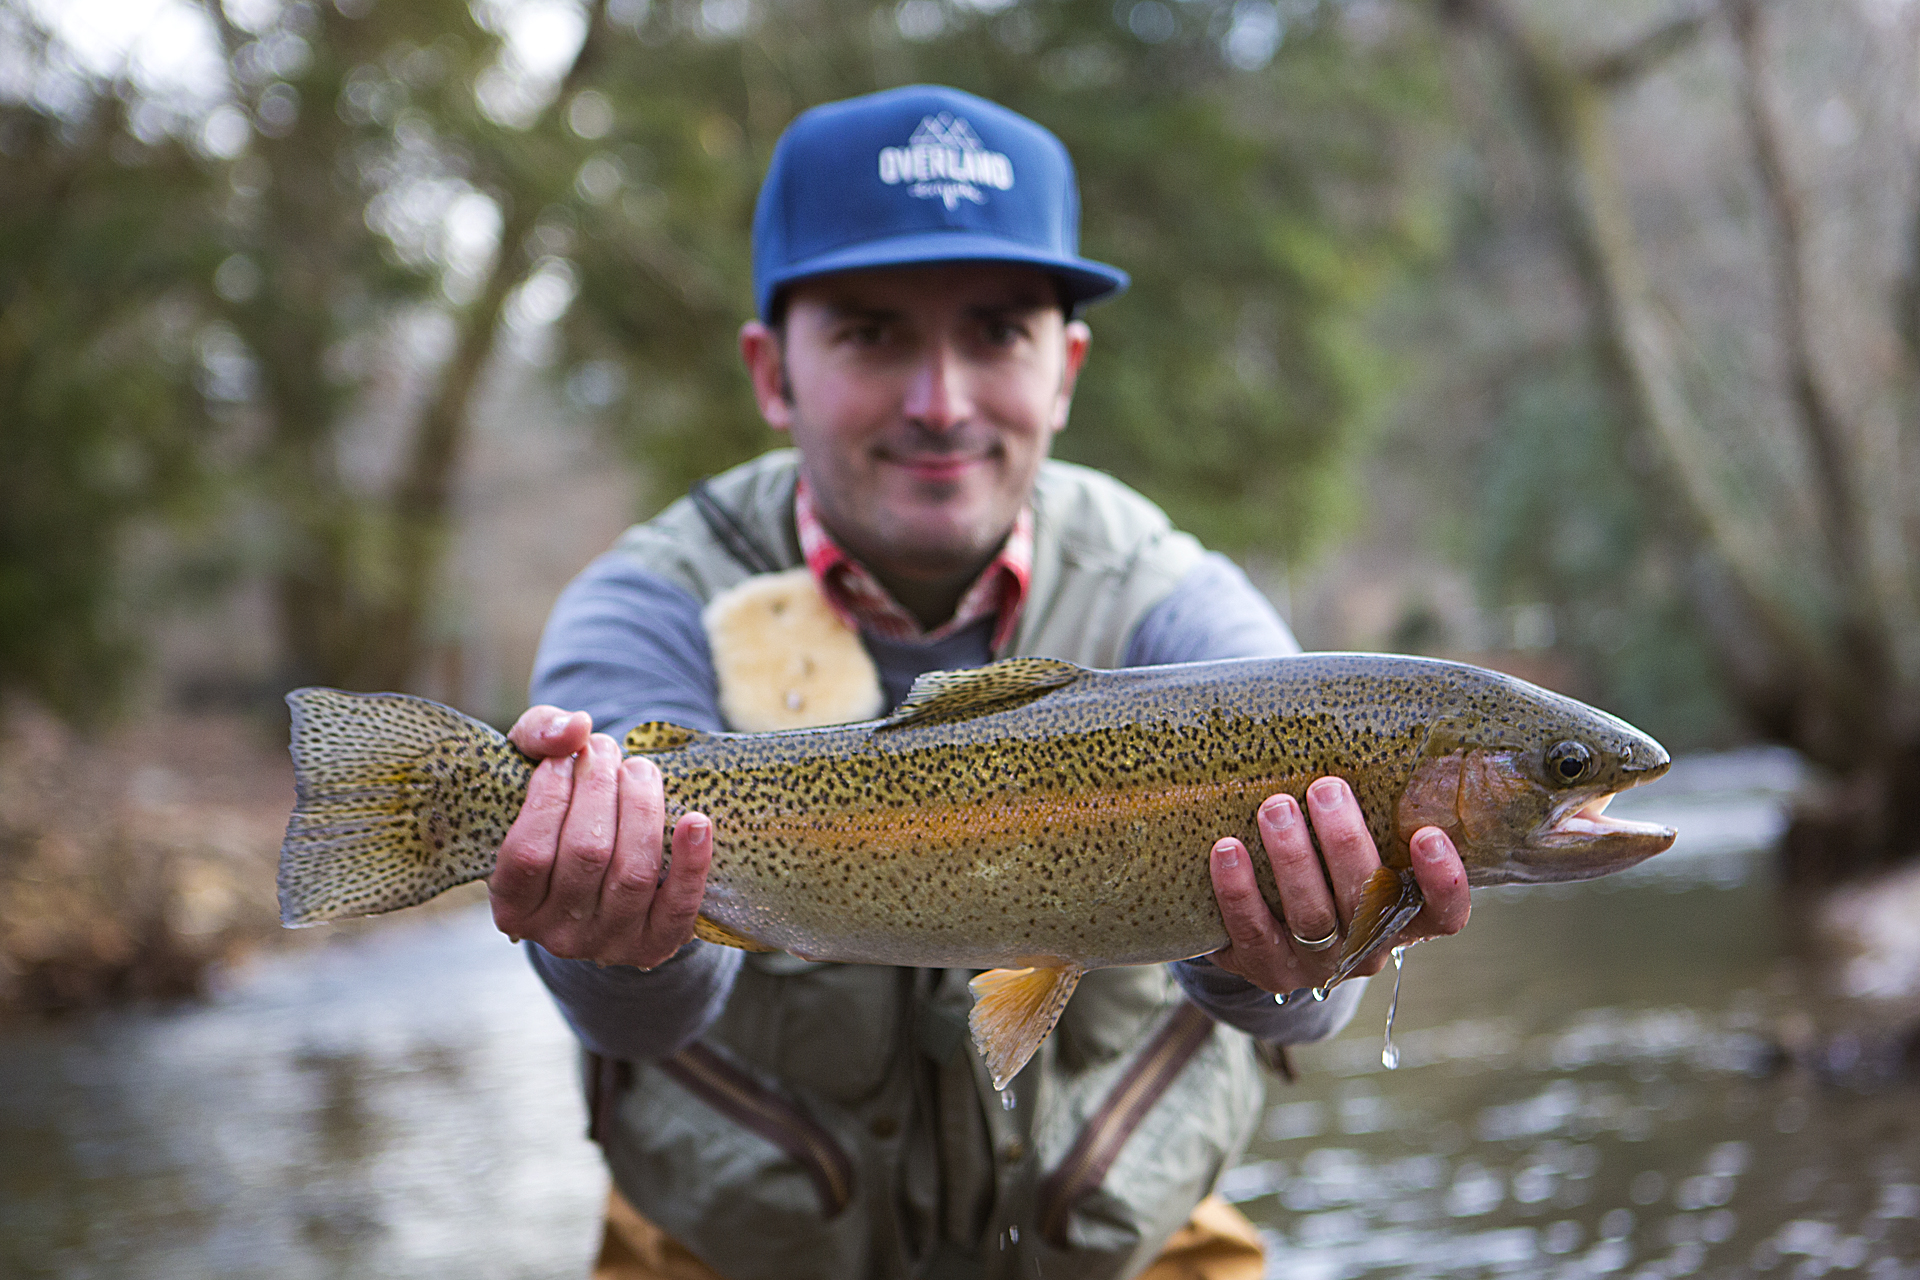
(835, 1121)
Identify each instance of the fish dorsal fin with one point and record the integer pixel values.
(941, 696)
(712, 931)
(655, 736)
(1013, 1010)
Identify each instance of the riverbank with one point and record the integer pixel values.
(134, 861)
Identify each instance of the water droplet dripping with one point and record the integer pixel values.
(1279, 997)
(1389, 1051)
(1013, 1234)
(1006, 1100)
(1319, 994)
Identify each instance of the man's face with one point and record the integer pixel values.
(922, 400)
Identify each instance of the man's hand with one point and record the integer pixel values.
(1320, 891)
(579, 872)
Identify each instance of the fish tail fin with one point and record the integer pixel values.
(1389, 901)
(398, 799)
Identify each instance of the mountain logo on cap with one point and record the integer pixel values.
(945, 160)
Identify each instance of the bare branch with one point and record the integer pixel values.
(1840, 503)
(1647, 53)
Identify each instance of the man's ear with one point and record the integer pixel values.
(1076, 338)
(767, 368)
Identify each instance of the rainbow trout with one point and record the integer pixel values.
(1032, 818)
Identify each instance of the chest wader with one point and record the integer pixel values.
(835, 1121)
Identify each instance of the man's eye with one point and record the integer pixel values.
(1003, 333)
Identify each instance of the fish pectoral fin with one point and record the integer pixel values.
(707, 931)
(1389, 901)
(940, 696)
(1013, 1010)
(656, 736)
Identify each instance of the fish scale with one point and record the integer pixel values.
(1028, 816)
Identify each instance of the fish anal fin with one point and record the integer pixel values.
(655, 736)
(708, 931)
(1013, 1010)
(940, 696)
(1389, 901)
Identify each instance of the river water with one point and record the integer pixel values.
(1586, 1088)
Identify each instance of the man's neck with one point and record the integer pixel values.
(931, 601)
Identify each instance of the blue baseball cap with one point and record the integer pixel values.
(921, 174)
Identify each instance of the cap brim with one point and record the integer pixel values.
(1086, 281)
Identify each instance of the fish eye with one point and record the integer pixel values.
(1569, 762)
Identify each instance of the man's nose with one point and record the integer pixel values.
(937, 396)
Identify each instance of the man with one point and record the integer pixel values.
(918, 284)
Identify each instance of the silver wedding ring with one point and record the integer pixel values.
(1316, 944)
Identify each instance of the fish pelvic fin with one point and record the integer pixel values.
(1390, 900)
(657, 736)
(941, 696)
(397, 799)
(1013, 1011)
(710, 931)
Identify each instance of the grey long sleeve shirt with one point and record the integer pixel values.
(627, 646)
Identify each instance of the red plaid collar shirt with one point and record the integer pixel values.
(863, 604)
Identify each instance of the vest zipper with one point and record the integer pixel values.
(747, 1102)
(1086, 1164)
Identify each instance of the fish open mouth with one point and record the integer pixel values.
(1589, 822)
(1579, 842)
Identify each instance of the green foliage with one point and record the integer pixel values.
(100, 428)
(1256, 211)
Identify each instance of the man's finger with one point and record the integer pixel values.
(633, 875)
(1305, 899)
(1258, 953)
(670, 921)
(1443, 883)
(544, 732)
(586, 841)
(524, 867)
(1346, 846)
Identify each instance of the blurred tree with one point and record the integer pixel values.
(362, 149)
(1254, 166)
(100, 422)
(1797, 526)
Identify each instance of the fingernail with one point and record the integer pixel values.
(1427, 843)
(698, 828)
(1228, 854)
(1326, 790)
(1281, 811)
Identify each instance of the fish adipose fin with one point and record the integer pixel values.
(656, 736)
(1013, 1010)
(941, 696)
(707, 931)
(1389, 902)
(398, 799)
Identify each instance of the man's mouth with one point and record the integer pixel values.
(937, 466)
